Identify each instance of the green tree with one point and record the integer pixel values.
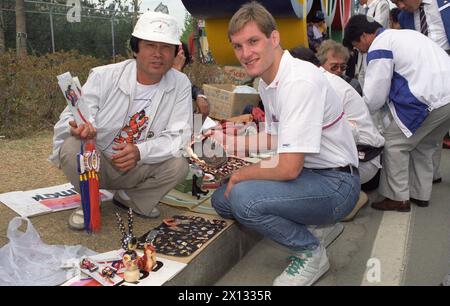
(189, 23)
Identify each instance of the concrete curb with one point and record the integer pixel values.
(387, 262)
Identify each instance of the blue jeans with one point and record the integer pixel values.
(281, 210)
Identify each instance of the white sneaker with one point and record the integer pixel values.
(326, 233)
(305, 269)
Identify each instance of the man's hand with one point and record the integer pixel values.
(83, 132)
(180, 59)
(127, 156)
(202, 106)
(233, 181)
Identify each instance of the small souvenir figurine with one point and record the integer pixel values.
(130, 261)
(148, 260)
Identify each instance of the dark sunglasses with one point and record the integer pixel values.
(337, 67)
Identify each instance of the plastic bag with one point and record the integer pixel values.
(27, 261)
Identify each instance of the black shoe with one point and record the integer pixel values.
(420, 203)
(388, 204)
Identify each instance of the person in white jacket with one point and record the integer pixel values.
(419, 104)
(139, 112)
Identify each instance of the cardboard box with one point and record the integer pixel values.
(224, 103)
(237, 74)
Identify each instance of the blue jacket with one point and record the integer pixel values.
(406, 19)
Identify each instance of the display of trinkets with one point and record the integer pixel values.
(213, 159)
(132, 263)
(224, 171)
(183, 235)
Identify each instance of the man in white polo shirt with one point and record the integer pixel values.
(313, 179)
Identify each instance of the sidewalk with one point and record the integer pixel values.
(405, 248)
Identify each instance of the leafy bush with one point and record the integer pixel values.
(30, 99)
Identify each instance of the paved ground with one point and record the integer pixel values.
(408, 248)
(429, 243)
(405, 248)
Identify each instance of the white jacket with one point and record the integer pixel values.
(105, 100)
(397, 70)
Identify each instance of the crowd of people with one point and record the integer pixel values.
(334, 134)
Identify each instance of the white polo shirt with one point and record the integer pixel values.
(307, 115)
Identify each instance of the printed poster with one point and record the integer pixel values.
(46, 200)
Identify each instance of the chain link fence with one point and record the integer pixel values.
(71, 24)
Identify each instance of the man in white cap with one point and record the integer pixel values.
(140, 115)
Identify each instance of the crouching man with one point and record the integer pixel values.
(140, 115)
(314, 180)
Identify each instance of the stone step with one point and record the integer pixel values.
(217, 258)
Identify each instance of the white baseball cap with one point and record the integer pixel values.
(157, 26)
